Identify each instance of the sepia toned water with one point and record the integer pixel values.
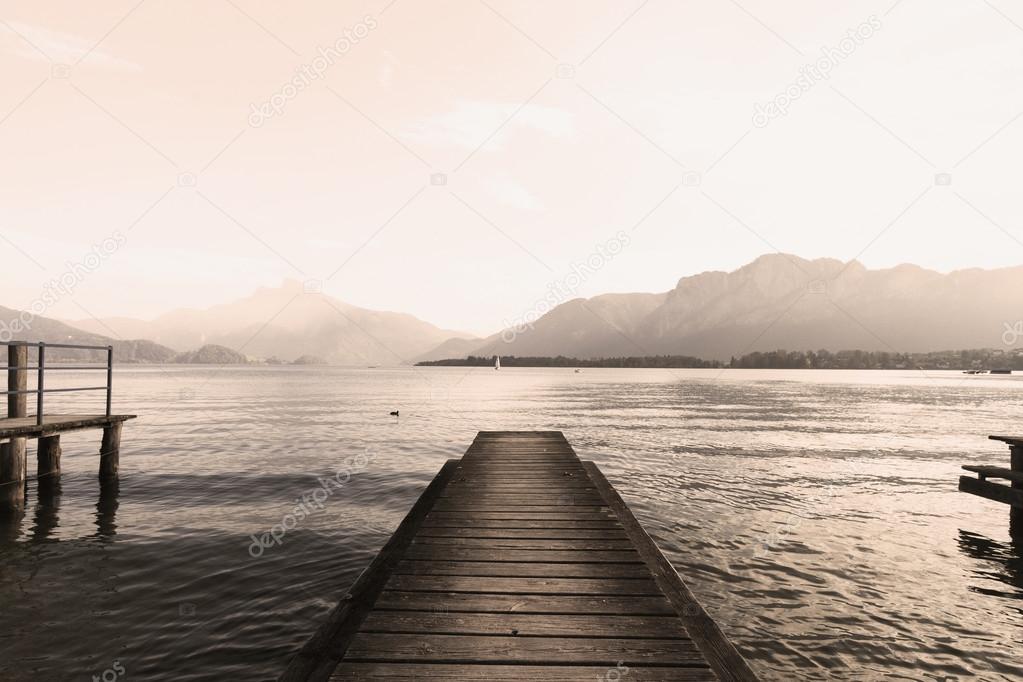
(814, 513)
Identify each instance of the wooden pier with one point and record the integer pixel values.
(519, 562)
(46, 428)
(1011, 494)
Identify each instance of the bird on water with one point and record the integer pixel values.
(395, 413)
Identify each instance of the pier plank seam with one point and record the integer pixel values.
(519, 561)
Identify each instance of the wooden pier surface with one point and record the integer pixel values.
(26, 427)
(519, 562)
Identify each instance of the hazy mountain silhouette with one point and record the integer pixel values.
(288, 323)
(778, 301)
(54, 331)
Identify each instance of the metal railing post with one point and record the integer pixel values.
(110, 376)
(39, 383)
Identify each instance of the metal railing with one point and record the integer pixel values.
(41, 368)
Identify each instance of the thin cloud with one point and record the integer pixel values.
(471, 121)
(61, 48)
(511, 193)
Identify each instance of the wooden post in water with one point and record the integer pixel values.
(110, 451)
(17, 380)
(1015, 513)
(48, 455)
(12, 453)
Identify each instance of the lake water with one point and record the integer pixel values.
(815, 514)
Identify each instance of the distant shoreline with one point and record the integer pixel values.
(985, 359)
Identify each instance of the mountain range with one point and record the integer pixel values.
(286, 322)
(12, 323)
(777, 301)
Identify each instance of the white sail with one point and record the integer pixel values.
(497, 362)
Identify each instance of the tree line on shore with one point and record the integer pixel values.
(976, 359)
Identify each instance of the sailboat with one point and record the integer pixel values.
(497, 362)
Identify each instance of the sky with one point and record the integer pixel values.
(453, 159)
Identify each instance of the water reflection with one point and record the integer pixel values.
(997, 562)
(47, 508)
(106, 507)
(10, 524)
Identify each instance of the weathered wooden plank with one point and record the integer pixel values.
(535, 498)
(539, 468)
(26, 426)
(513, 484)
(500, 544)
(469, 507)
(513, 461)
(566, 515)
(527, 453)
(539, 494)
(446, 552)
(475, 522)
(995, 472)
(521, 650)
(538, 497)
(560, 586)
(512, 569)
(521, 459)
(531, 533)
(1011, 440)
(537, 448)
(525, 625)
(507, 451)
(517, 483)
(431, 672)
(992, 491)
(526, 476)
(523, 603)
(541, 464)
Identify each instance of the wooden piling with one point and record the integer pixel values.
(17, 380)
(12, 474)
(1016, 513)
(48, 456)
(12, 453)
(110, 451)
